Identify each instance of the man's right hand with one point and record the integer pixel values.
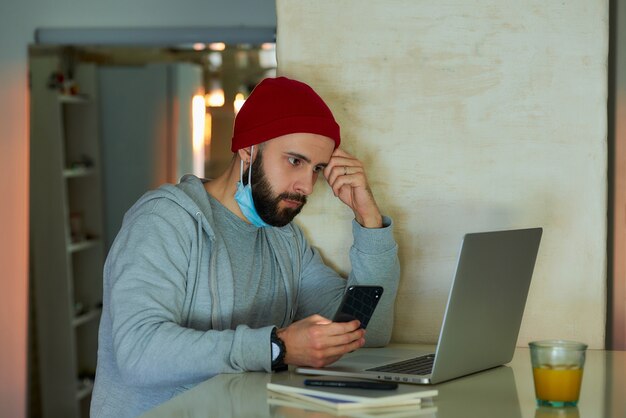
(317, 341)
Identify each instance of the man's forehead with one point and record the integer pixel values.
(311, 147)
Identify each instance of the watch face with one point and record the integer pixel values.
(275, 351)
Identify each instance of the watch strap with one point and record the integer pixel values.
(278, 364)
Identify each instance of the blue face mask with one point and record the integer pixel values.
(243, 196)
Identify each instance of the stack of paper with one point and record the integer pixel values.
(405, 399)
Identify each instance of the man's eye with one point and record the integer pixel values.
(294, 161)
(318, 169)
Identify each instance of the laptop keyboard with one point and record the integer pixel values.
(419, 365)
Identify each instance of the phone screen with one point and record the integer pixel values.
(359, 303)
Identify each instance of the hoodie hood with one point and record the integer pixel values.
(189, 194)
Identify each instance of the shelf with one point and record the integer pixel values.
(66, 197)
(73, 98)
(83, 388)
(82, 245)
(78, 172)
(87, 316)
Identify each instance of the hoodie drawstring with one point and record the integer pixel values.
(198, 263)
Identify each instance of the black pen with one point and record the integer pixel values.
(352, 384)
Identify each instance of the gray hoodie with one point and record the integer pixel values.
(169, 298)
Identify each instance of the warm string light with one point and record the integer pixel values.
(208, 129)
(198, 116)
(267, 55)
(217, 46)
(215, 97)
(239, 101)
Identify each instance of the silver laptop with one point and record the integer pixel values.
(481, 322)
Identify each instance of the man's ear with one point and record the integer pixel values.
(244, 155)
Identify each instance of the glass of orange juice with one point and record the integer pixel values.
(557, 371)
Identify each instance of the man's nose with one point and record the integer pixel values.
(305, 183)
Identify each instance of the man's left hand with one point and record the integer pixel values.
(346, 176)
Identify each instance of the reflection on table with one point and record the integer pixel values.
(501, 392)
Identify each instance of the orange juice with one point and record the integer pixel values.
(557, 383)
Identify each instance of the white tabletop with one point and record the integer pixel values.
(503, 392)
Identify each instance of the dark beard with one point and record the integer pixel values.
(265, 202)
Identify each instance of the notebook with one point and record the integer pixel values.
(342, 399)
(482, 319)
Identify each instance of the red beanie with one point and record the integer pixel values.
(281, 106)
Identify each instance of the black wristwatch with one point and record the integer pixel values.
(278, 350)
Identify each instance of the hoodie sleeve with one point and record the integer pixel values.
(146, 286)
(374, 260)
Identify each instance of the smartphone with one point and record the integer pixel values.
(359, 303)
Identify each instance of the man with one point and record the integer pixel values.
(210, 277)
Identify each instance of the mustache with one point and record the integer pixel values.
(296, 197)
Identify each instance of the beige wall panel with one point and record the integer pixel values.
(469, 116)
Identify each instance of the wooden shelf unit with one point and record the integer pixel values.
(66, 229)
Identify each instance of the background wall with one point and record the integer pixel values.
(146, 128)
(136, 99)
(18, 21)
(617, 133)
(469, 116)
